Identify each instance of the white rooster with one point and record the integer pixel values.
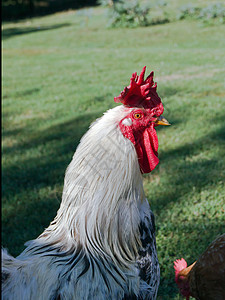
(101, 245)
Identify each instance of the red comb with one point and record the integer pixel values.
(179, 265)
(141, 93)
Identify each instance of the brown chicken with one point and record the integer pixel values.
(205, 278)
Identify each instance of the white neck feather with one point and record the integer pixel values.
(102, 194)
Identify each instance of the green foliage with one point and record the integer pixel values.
(213, 11)
(61, 73)
(188, 11)
(208, 14)
(129, 14)
(132, 13)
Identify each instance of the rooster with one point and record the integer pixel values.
(101, 244)
(205, 278)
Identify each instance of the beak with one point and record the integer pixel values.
(161, 121)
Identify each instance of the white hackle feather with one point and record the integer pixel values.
(89, 251)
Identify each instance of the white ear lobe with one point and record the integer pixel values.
(127, 122)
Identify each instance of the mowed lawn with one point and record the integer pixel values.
(62, 71)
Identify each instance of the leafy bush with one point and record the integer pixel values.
(188, 11)
(132, 13)
(129, 14)
(213, 11)
(206, 14)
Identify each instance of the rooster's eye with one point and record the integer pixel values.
(138, 115)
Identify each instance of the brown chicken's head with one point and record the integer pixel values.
(144, 109)
(181, 277)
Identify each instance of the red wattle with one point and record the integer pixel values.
(146, 147)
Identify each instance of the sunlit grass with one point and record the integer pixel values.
(61, 72)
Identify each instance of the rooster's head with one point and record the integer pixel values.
(181, 276)
(144, 113)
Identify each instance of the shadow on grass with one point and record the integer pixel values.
(11, 32)
(17, 10)
(168, 91)
(32, 190)
(196, 173)
(58, 143)
(27, 92)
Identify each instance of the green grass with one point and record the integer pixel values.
(61, 72)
